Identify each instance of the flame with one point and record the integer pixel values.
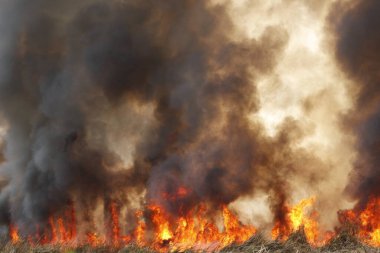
(161, 223)
(370, 222)
(72, 225)
(13, 234)
(235, 232)
(194, 229)
(115, 223)
(374, 237)
(139, 232)
(366, 221)
(62, 229)
(202, 228)
(53, 230)
(94, 240)
(299, 217)
(297, 213)
(180, 193)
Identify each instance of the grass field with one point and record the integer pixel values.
(296, 243)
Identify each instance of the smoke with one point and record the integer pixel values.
(165, 77)
(301, 105)
(131, 101)
(357, 43)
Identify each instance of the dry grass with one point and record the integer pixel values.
(25, 248)
(343, 243)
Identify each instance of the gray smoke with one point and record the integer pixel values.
(75, 72)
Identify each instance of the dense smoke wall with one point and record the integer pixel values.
(357, 44)
(71, 67)
(130, 101)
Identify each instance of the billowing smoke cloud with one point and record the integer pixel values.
(357, 46)
(135, 101)
(168, 77)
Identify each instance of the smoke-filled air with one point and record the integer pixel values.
(188, 124)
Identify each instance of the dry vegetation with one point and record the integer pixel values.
(343, 243)
(297, 243)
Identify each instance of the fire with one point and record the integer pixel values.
(161, 222)
(374, 237)
(299, 217)
(94, 240)
(366, 221)
(235, 232)
(201, 227)
(194, 229)
(115, 223)
(139, 233)
(53, 230)
(13, 234)
(297, 213)
(64, 235)
(72, 225)
(180, 193)
(62, 229)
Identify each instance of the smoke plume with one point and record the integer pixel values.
(165, 77)
(357, 44)
(134, 102)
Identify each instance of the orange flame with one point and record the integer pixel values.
(195, 229)
(234, 231)
(367, 221)
(13, 234)
(94, 240)
(71, 214)
(200, 230)
(180, 193)
(53, 230)
(161, 223)
(115, 223)
(298, 217)
(139, 232)
(62, 231)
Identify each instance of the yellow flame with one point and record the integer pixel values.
(297, 213)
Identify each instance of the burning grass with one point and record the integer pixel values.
(195, 229)
(297, 242)
(297, 230)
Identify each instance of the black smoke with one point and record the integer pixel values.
(72, 66)
(357, 31)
